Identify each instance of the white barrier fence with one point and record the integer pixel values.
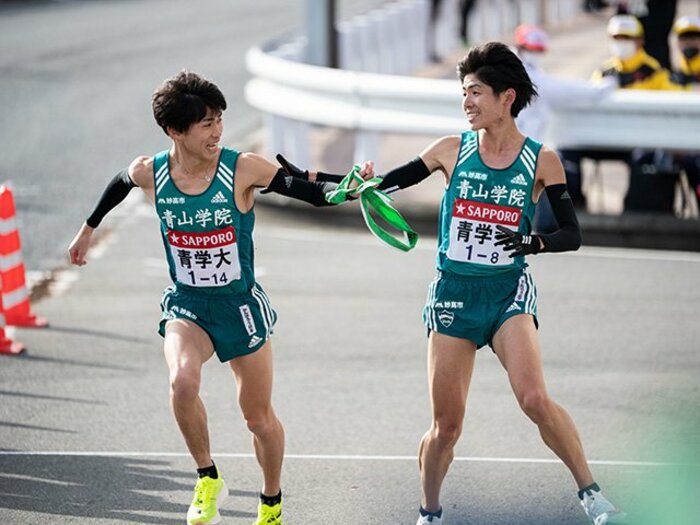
(368, 102)
(369, 96)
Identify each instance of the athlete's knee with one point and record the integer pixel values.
(536, 404)
(446, 431)
(261, 422)
(184, 386)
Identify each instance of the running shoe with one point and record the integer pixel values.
(269, 515)
(208, 495)
(429, 520)
(600, 511)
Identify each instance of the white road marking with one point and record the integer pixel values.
(332, 457)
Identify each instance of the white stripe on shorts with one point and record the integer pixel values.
(432, 290)
(531, 297)
(264, 305)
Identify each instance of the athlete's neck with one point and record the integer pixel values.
(192, 166)
(500, 139)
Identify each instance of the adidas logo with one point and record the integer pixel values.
(519, 179)
(565, 195)
(219, 198)
(513, 307)
(254, 341)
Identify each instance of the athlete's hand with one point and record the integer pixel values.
(367, 170)
(516, 242)
(291, 169)
(79, 246)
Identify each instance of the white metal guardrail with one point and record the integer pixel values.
(393, 104)
(294, 95)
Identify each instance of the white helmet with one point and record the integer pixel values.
(625, 25)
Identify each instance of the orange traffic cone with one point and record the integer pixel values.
(14, 289)
(7, 345)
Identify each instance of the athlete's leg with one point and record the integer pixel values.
(517, 347)
(450, 366)
(253, 374)
(187, 348)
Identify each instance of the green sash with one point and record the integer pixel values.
(374, 200)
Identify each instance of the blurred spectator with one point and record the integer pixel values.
(657, 18)
(532, 43)
(687, 29)
(630, 65)
(465, 6)
(652, 173)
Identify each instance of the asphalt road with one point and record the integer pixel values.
(76, 77)
(87, 436)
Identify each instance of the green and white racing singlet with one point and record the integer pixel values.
(208, 241)
(478, 199)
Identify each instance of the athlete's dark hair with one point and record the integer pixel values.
(497, 66)
(184, 99)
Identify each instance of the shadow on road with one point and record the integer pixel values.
(133, 490)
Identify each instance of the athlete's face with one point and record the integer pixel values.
(203, 137)
(481, 105)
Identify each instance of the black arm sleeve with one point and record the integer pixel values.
(312, 192)
(404, 176)
(115, 192)
(568, 236)
(328, 177)
(399, 178)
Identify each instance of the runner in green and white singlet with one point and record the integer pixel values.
(482, 293)
(208, 242)
(478, 199)
(204, 196)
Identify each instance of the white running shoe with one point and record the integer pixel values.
(429, 520)
(600, 511)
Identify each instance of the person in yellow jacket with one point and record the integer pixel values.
(687, 30)
(630, 65)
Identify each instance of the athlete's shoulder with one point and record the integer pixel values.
(549, 167)
(440, 153)
(449, 142)
(141, 171)
(249, 161)
(254, 169)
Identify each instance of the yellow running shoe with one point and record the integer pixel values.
(269, 515)
(208, 495)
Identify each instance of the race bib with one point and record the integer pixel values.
(473, 232)
(205, 259)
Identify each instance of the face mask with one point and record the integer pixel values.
(530, 58)
(691, 52)
(623, 48)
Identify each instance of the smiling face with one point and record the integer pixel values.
(482, 106)
(202, 138)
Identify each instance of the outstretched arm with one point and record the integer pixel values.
(289, 180)
(116, 191)
(435, 157)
